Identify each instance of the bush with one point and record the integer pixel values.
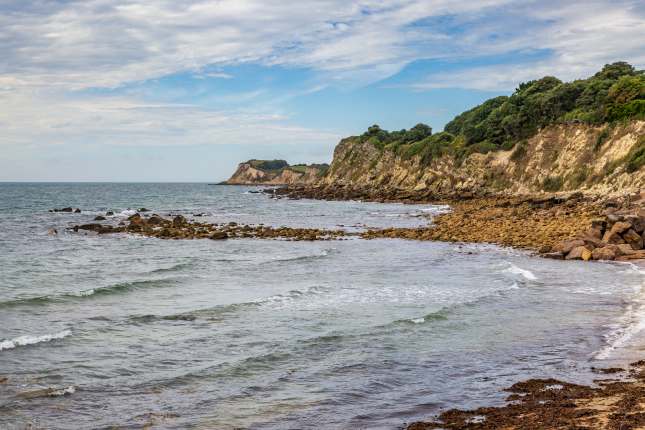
(552, 183)
(636, 157)
(519, 152)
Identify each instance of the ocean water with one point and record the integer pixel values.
(272, 334)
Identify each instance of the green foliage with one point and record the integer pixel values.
(552, 183)
(268, 164)
(579, 176)
(636, 157)
(616, 92)
(604, 134)
(520, 151)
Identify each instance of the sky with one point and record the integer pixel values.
(182, 91)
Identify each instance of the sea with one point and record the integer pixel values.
(123, 331)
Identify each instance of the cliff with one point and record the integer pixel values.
(276, 172)
(597, 159)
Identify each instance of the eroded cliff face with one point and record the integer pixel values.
(253, 173)
(571, 157)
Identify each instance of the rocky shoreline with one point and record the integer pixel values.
(614, 404)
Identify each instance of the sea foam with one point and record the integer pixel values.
(527, 274)
(32, 340)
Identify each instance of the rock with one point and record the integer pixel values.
(77, 211)
(613, 237)
(637, 222)
(635, 255)
(98, 228)
(566, 246)
(109, 213)
(579, 253)
(633, 238)
(218, 235)
(52, 232)
(624, 249)
(3, 379)
(99, 218)
(606, 253)
(155, 220)
(144, 210)
(68, 209)
(178, 221)
(621, 227)
(595, 232)
(554, 255)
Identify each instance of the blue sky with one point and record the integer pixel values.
(133, 90)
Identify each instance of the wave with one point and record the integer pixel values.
(630, 324)
(310, 257)
(32, 340)
(101, 291)
(526, 274)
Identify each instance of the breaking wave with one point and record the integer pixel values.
(32, 340)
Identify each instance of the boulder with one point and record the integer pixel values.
(99, 218)
(595, 232)
(621, 227)
(155, 220)
(98, 228)
(218, 235)
(606, 253)
(178, 221)
(624, 249)
(554, 255)
(109, 213)
(566, 246)
(634, 239)
(613, 237)
(77, 211)
(144, 210)
(52, 232)
(637, 222)
(579, 253)
(64, 210)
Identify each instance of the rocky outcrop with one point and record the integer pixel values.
(618, 236)
(559, 158)
(276, 172)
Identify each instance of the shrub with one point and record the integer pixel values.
(636, 157)
(552, 183)
(520, 151)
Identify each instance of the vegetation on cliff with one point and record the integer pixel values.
(275, 172)
(615, 93)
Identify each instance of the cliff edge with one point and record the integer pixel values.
(276, 172)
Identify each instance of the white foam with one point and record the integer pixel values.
(85, 293)
(127, 213)
(63, 391)
(630, 324)
(418, 320)
(527, 274)
(31, 340)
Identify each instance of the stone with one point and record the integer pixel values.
(52, 232)
(566, 246)
(155, 220)
(218, 235)
(554, 255)
(144, 210)
(613, 237)
(178, 221)
(109, 213)
(621, 227)
(606, 253)
(634, 239)
(637, 222)
(68, 209)
(579, 253)
(594, 232)
(99, 218)
(77, 211)
(624, 249)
